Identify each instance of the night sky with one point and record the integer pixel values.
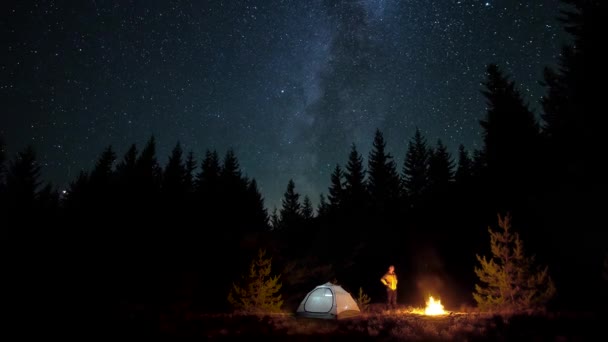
(289, 84)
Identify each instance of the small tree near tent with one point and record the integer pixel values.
(363, 300)
(259, 292)
(511, 280)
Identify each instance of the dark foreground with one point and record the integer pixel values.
(396, 326)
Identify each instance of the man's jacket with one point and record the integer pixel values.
(390, 280)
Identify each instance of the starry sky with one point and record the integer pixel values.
(288, 84)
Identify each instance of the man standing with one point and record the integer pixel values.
(390, 281)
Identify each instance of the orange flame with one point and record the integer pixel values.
(433, 308)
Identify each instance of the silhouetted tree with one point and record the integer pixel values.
(126, 173)
(190, 168)
(256, 214)
(78, 196)
(415, 169)
(355, 200)
(511, 138)
(22, 182)
(291, 210)
(307, 210)
(441, 168)
(275, 219)
(148, 170)
(383, 179)
(336, 190)
(174, 176)
(233, 193)
(464, 172)
(572, 119)
(101, 183)
(208, 185)
(322, 207)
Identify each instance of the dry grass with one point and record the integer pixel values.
(398, 325)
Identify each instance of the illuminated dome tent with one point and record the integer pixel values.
(328, 301)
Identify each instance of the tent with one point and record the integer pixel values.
(328, 301)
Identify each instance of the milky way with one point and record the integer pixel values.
(289, 85)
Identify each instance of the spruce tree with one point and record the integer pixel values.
(383, 179)
(23, 181)
(464, 172)
(510, 279)
(307, 210)
(291, 210)
(441, 168)
(259, 291)
(355, 189)
(415, 169)
(336, 190)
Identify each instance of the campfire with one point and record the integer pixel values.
(433, 308)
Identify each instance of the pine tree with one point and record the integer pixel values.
(291, 210)
(511, 134)
(23, 181)
(363, 300)
(147, 168)
(102, 172)
(174, 175)
(441, 168)
(336, 190)
(78, 193)
(190, 168)
(355, 188)
(510, 279)
(307, 210)
(415, 168)
(259, 292)
(257, 215)
(323, 207)
(275, 219)
(464, 172)
(383, 179)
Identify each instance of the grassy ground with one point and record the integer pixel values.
(398, 325)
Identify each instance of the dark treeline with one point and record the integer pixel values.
(184, 229)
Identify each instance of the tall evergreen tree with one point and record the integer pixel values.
(101, 176)
(571, 107)
(464, 172)
(322, 207)
(78, 196)
(291, 210)
(148, 170)
(441, 168)
(336, 190)
(207, 180)
(355, 188)
(126, 169)
(190, 168)
(233, 193)
(257, 215)
(275, 220)
(415, 169)
(383, 179)
(23, 181)
(174, 176)
(511, 134)
(307, 210)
